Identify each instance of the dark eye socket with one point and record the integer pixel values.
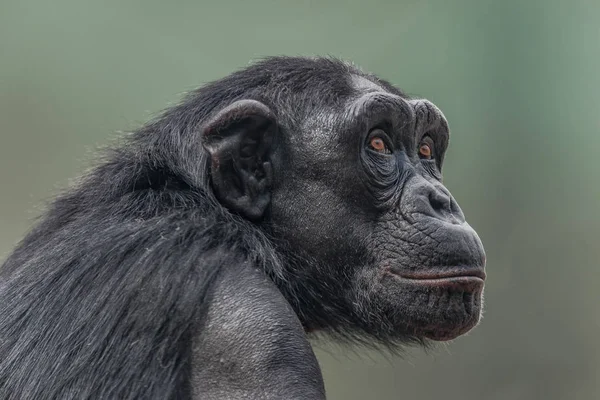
(378, 141)
(426, 148)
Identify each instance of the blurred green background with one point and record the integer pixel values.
(518, 80)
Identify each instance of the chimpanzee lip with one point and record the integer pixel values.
(458, 277)
(445, 273)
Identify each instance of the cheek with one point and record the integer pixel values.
(318, 221)
(318, 207)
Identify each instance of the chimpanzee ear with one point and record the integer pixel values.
(238, 140)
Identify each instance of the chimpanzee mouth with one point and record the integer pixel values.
(459, 277)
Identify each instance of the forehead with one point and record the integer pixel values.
(366, 89)
(345, 100)
(364, 85)
(370, 97)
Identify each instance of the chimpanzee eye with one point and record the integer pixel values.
(426, 148)
(378, 144)
(425, 151)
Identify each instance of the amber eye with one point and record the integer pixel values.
(377, 144)
(425, 151)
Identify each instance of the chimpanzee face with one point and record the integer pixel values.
(359, 192)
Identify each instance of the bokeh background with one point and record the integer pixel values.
(518, 80)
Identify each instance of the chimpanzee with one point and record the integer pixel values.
(297, 195)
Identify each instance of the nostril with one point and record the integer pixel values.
(439, 201)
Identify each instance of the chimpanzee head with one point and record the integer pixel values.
(343, 172)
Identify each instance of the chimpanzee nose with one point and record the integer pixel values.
(440, 204)
(431, 199)
(439, 201)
